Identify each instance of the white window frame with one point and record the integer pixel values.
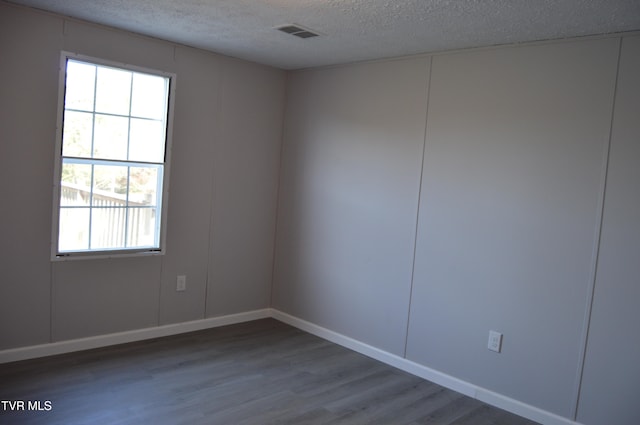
(56, 255)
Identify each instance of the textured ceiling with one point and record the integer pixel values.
(352, 30)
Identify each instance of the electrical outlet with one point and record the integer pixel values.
(181, 283)
(495, 341)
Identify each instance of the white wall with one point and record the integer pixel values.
(515, 151)
(223, 188)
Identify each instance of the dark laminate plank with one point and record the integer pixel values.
(257, 373)
(458, 407)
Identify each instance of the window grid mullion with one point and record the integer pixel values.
(115, 207)
(129, 116)
(126, 210)
(91, 206)
(111, 114)
(93, 137)
(115, 162)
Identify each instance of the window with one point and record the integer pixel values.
(111, 158)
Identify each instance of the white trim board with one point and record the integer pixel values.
(498, 400)
(51, 349)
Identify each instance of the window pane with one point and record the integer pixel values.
(80, 86)
(75, 184)
(141, 230)
(107, 227)
(110, 138)
(74, 229)
(143, 186)
(112, 158)
(110, 186)
(147, 140)
(76, 139)
(149, 96)
(113, 91)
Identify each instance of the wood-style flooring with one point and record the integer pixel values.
(255, 373)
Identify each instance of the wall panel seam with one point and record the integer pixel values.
(211, 231)
(417, 222)
(285, 105)
(593, 272)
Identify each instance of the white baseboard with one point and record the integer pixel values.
(498, 400)
(447, 381)
(43, 350)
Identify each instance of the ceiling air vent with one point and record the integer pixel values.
(297, 31)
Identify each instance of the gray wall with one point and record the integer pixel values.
(612, 370)
(223, 188)
(508, 215)
(508, 198)
(349, 193)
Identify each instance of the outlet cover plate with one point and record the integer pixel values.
(495, 341)
(181, 283)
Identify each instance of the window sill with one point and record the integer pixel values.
(103, 255)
